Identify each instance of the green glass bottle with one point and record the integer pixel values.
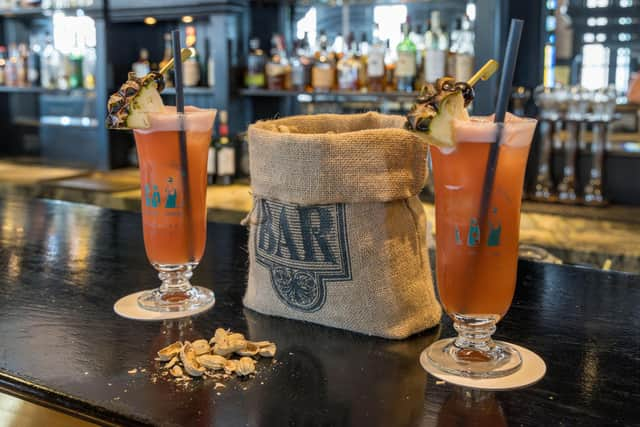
(76, 57)
(406, 65)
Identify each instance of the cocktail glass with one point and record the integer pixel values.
(173, 182)
(476, 248)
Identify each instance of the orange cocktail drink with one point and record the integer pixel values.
(477, 252)
(173, 183)
(477, 230)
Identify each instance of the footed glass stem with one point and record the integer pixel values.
(176, 292)
(473, 353)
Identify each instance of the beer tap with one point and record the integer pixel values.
(603, 105)
(577, 108)
(561, 96)
(548, 114)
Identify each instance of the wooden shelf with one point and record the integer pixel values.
(171, 91)
(354, 95)
(40, 90)
(35, 12)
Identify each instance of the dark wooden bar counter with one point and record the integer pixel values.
(61, 344)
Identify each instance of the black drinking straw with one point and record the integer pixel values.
(182, 139)
(506, 81)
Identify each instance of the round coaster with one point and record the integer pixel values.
(128, 307)
(532, 370)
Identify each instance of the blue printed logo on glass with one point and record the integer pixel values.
(494, 235)
(304, 247)
(474, 233)
(473, 236)
(172, 194)
(152, 195)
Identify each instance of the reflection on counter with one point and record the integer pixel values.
(325, 355)
(471, 408)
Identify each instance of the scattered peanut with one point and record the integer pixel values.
(201, 358)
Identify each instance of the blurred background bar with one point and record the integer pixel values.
(577, 72)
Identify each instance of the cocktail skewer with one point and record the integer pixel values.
(184, 55)
(485, 72)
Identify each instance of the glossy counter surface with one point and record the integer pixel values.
(61, 344)
(575, 234)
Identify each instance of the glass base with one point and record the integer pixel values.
(192, 299)
(473, 353)
(176, 294)
(500, 360)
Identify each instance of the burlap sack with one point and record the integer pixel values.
(337, 233)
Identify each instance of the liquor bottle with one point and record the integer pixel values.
(390, 59)
(323, 71)
(166, 57)
(549, 60)
(375, 63)
(363, 46)
(305, 59)
(363, 56)
(142, 67)
(11, 70)
(436, 45)
(76, 57)
(338, 47)
(22, 68)
(211, 163)
(298, 76)
(225, 153)
(191, 67)
(453, 41)
(244, 167)
(278, 69)
(564, 43)
(564, 31)
(50, 64)
(417, 37)
(349, 67)
(406, 65)
(64, 73)
(89, 68)
(3, 65)
(254, 78)
(465, 53)
(33, 69)
(211, 65)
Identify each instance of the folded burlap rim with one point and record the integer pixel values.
(331, 158)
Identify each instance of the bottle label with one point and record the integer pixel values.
(451, 64)
(274, 70)
(322, 77)
(276, 76)
(464, 67)
(406, 66)
(211, 161)
(255, 80)
(191, 75)
(375, 65)
(348, 78)
(434, 64)
(211, 72)
(141, 68)
(226, 161)
(297, 76)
